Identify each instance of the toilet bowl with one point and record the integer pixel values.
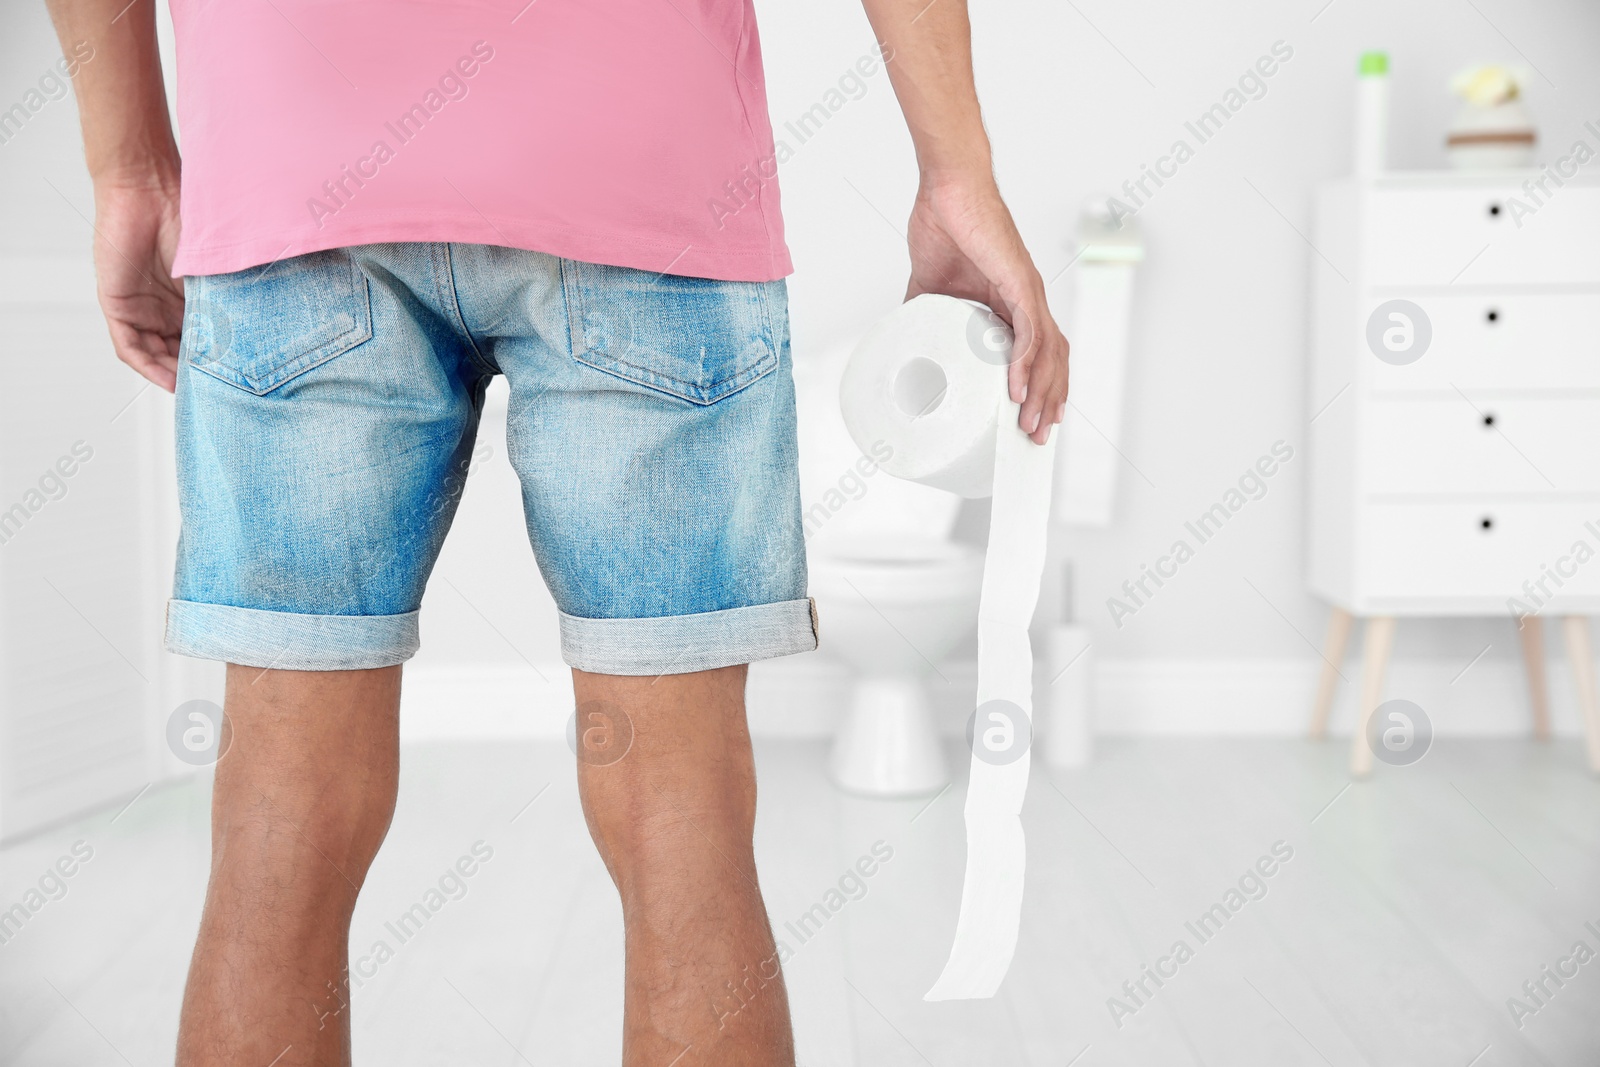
(894, 605)
(894, 592)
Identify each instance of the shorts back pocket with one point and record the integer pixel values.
(698, 339)
(258, 328)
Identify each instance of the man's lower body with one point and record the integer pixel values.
(327, 410)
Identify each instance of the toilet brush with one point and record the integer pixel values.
(1068, 693)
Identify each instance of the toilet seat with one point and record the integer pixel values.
(905, 569)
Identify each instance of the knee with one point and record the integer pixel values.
(351, 826)
(328, 833)
(652, 834)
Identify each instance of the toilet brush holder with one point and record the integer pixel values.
(1068, 696)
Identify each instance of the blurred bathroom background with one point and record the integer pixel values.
(1080, 97)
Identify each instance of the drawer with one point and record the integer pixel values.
(1426, 550)
(1447, 445)
(1469, 236)
(1528, 341)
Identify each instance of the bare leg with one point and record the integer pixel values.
(304, 793)
(672, 811)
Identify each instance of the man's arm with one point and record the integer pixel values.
(133, 160)
(963, 240)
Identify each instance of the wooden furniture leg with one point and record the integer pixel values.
(1374, 662)
(1531, 629)
(1333, 646)
(1577, 633)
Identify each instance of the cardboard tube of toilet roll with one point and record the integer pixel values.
(954, 427)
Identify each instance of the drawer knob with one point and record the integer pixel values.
(1494, 209)
(1493, 315)
(1488, 418)
(1486, 522)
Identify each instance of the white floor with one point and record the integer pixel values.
(1414, 905)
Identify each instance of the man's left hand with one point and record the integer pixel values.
(965, 244)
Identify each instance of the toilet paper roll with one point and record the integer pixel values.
(930, 381)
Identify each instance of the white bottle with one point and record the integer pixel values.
(1372, 114)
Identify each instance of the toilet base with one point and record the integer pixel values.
(887, 746)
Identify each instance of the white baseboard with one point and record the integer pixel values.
(802, 696)
(484, 701)
(1273, 697)
(795, 697)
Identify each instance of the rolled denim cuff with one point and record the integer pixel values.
(683, 644)
(287, 641)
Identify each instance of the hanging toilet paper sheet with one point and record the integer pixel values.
(930, 380)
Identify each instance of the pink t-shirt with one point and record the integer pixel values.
(627, 132)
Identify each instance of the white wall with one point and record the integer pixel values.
(85, 688)
(1077, 96)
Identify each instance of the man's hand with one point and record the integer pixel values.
(963, 240)
(965, 244)
(136, 235)
(133, 159)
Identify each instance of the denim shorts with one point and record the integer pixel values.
(327, 407)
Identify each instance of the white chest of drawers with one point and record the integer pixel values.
(1455, 406)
